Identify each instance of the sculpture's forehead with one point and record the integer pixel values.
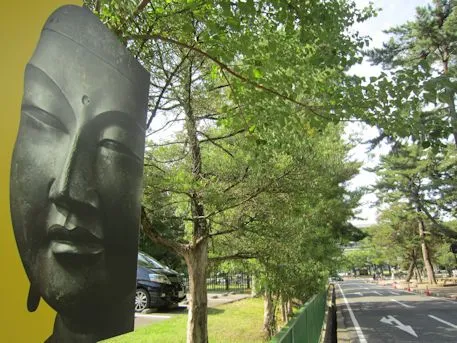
(78, 73)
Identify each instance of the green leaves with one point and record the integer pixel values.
(260, 87)
(257, 73)
(419, 57)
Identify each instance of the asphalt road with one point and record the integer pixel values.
(381, 314)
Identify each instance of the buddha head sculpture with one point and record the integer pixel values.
(76, 175)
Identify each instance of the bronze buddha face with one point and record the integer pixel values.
(77, 165)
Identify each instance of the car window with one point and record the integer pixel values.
(142, 261)
(148, 261)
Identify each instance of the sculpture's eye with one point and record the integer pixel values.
(44, 117)
(120, 139)
(117, 147)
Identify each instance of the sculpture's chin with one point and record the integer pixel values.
(71, 283)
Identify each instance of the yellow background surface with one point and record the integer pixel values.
(20, 27)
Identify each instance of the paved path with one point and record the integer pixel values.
(374, 313)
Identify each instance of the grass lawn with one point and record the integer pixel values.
(238, 322)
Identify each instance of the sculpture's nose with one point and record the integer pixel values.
(74, 186)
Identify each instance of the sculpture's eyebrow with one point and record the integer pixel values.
(131, 134)
(124, 119)
(51, 85)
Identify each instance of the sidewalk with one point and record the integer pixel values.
(448, 290)
(216, 299)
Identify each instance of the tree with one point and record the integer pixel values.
(357, 259)
(396, 236)
(267, 204)
(403, 178)
(268, 71)
(417, 94)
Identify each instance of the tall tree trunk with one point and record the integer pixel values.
(197, 258)
(284, 309)
(453, 114)
(412, 266)
(410, 271)
(197, 321)
(253, 286)
(426, 254)
(269, 318)
(418, 275)
(290, 310)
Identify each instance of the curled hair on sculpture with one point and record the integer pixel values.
(76, 176)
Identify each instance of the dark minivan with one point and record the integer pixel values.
(156, 284)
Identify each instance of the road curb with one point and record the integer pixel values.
(231, 301)
(343, 334)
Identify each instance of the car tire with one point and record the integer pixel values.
(142, 300)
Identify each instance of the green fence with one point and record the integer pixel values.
(306, 325)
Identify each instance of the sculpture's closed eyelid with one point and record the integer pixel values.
(44, 117)
(117, 146)
(119, 139)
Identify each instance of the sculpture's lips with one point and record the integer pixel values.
(78, 241)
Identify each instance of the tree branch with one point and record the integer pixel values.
(155, 166)
(245, 174)
(218, 233)
(163, 126)
(172, 160)
(168, 143)
(252, 196)
(211, 139)
(208, 139)
(237, 256)
(164, 88)
(156, 237)
(230, 71)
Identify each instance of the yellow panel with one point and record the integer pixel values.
(20, 27)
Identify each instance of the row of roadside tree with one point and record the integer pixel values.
(256, 93)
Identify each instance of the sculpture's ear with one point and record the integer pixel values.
(33, 300)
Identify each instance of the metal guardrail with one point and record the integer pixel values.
(306, 325)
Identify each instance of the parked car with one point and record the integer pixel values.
(335, 278)
(156, 285)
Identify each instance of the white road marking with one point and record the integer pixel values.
(443, 321)
(360, 294)
(444, 299)
(404, 305)
(144, 315)
(375, 292)
(357, 328)
(394, 293)
(409, 292)
(394, 321)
